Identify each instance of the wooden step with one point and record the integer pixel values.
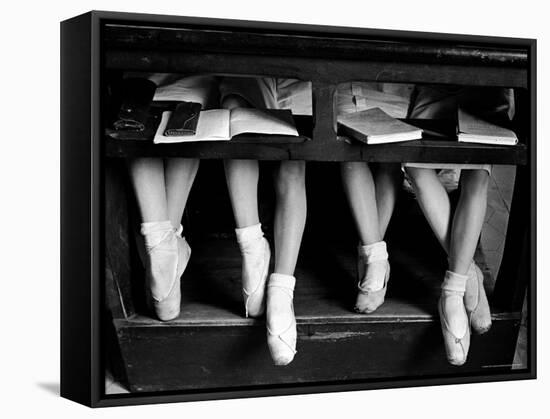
(212, 345)
(325, 292)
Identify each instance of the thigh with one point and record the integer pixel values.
(419, 172)
(200, 89)
(294, 95)
(360, 96)
(492, 103)
(158, 78)
(435, 102)
(260, 92)
(443, 102)
(475, 182)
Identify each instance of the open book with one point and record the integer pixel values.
(374, 126)
(224, 124)
(472, 129)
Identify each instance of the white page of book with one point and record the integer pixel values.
(248, 120)
(395, 138)
(213, 125)
(472, 138)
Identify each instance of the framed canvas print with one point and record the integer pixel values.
(258, 209)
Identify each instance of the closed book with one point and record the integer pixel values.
(183, 120)
(374, 126)
(472, 129)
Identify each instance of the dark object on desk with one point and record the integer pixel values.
(147, 134)
(183, 120)
(435, 129)
(137, 95)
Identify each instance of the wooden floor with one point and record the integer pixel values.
(325, 289)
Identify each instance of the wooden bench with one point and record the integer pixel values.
(211, 345)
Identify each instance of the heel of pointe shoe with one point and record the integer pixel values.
(254, 301)
(256, 255)
(184, 252)
(479, 311)
(169, 307)
(163, 285)
(456, 347)
(369, 301)
(281, 325)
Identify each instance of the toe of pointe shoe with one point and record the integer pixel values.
(480, 330)
(281, 353)
(367, 303)
(480, 323)
(167, 314)
(480, 315)
(164, 310)
(169, 308)
(256, 311)
(457, 362)
(456, 348)
(282, 360)
(282, 333)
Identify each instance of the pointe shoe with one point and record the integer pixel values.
(184, 251)
(372, 266)
(281, 322)
(169, 308)
(167, 257)
(456, 330)
(255, 267)
(475, 301)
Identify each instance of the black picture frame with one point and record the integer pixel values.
(83, 184)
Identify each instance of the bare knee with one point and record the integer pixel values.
(351, 166)
(420, 176)
(290, 177)
(388, 170)
(474, 182)
(234, 101)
